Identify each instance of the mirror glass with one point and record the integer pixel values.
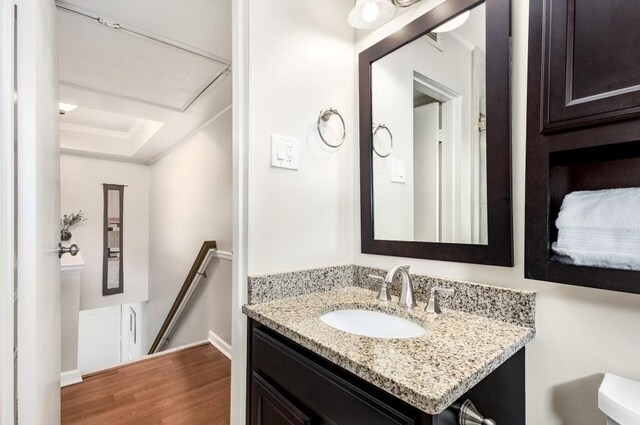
(112, 267)
(429, 136)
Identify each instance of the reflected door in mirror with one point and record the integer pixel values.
(112, 270)
(431, 186)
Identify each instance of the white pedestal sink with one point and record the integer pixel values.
(373, 324)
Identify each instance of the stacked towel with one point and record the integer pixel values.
(600, 228)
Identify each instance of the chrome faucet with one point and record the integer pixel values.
(407, 297)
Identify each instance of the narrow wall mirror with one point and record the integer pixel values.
(112, 266)
(435, 137)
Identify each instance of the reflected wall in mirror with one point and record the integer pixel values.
(435, 157)
(112, 266)
(430, 94)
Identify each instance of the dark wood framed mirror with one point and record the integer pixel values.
(112, 264)
(435, 137)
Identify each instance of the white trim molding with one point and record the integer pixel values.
(223, 255)
(146, 357)
(220, 344)
(7, 209)
(70, 377)
(240, 59)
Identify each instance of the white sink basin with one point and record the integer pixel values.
(372, 324)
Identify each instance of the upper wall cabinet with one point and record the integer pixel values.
(435, 146)
(583, 144)
(588, 47)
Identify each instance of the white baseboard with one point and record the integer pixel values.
(145, 357)
(220, 344)
(70, 377)
(74, 376)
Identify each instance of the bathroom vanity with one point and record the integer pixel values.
(290, 384)
(303, 371)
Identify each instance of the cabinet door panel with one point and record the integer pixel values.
(270, 407)
(592, 70)
(326, 394)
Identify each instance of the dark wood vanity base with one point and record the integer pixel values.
(288, 384)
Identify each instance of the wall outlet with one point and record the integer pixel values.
(397, 171)
(284, 152)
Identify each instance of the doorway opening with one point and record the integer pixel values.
(145, 186)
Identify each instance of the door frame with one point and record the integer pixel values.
(7, 224)
(239, 297)
(36, 318)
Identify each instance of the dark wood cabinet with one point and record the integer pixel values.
(583, 122)
(288, 384)
(591, 72)
(270, 407)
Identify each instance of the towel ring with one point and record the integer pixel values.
(325, 115)
(376, 128)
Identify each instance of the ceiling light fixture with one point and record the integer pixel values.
(367, 14)
(453, 23)
(63, 108)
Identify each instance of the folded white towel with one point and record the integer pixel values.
(616, 209)
(599, 240)
(590, 258)
(600, 228)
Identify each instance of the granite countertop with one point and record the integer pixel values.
(429, 372)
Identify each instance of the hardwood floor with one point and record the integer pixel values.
(191, 386)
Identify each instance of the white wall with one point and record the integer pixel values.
(80, 189)
(99, 338)
(301, 61)
(581, 332)
(190, 203)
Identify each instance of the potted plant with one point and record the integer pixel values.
(69, 221)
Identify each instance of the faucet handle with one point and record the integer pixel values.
(433, 307)
(383, 295)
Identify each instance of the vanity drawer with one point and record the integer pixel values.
(331, 395)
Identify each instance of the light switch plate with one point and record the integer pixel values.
(397, 171)
(284, 152)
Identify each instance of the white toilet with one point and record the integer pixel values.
(619, 399)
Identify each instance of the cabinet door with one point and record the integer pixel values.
(591, 67)
(270, 407)
(332, 396)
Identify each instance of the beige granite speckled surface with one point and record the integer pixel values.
(514, 306)
(429, 372)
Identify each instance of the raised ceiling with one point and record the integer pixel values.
(149, 75)
(97, 132)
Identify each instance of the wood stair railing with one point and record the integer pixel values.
(185, 291)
